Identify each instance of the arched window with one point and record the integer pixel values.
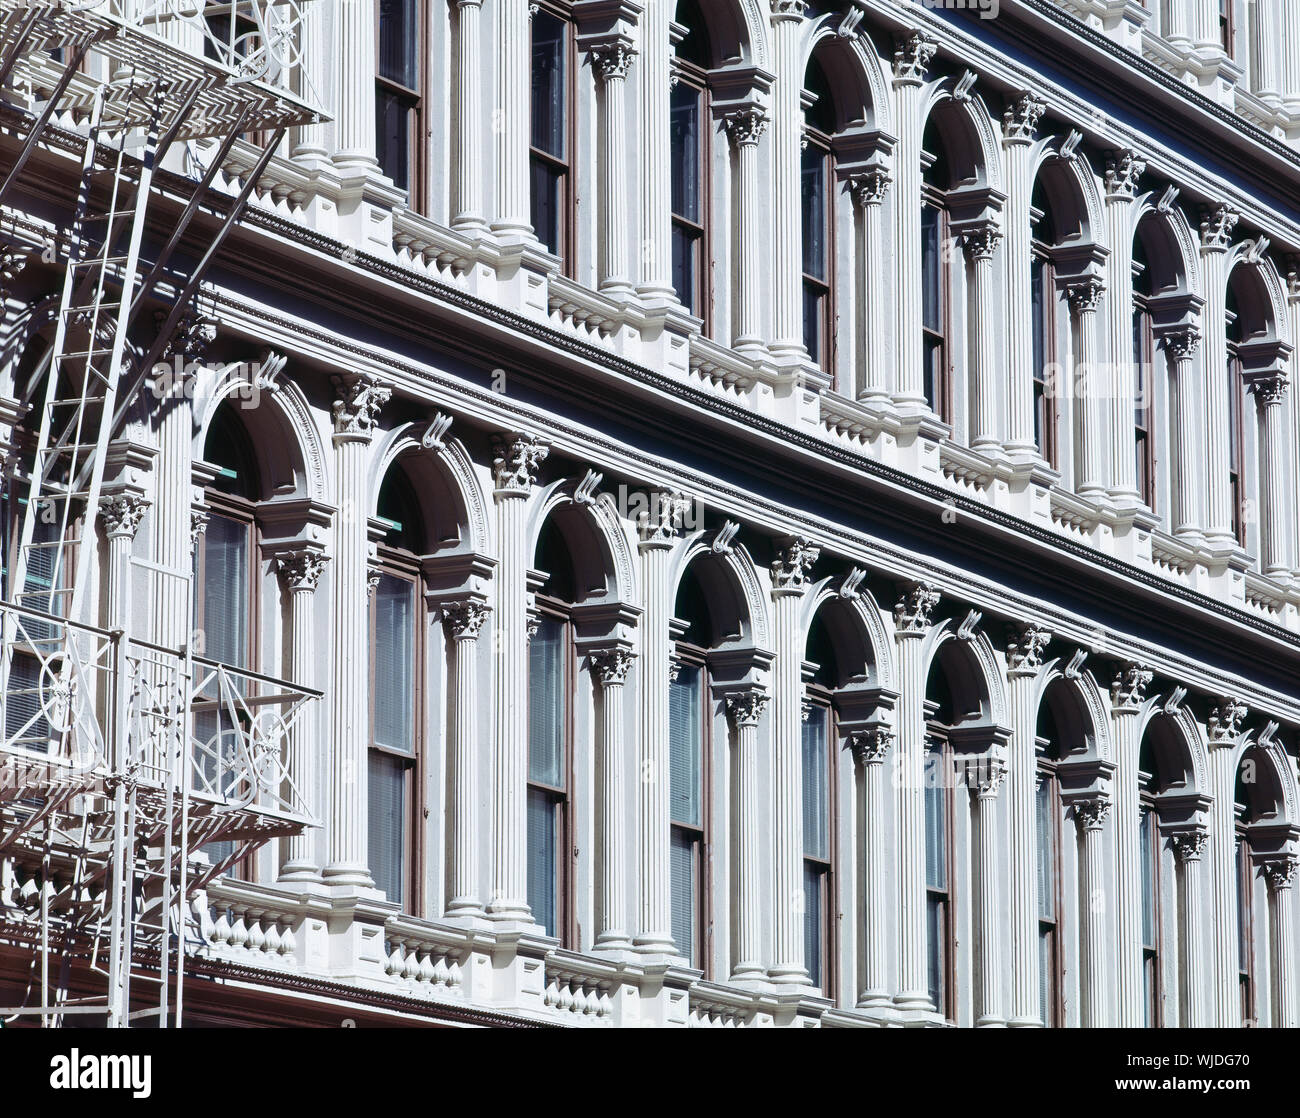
(1047, 834)
(1149, 852)
(552, 672)
(939, 936)
(396, 657)
(690, 748)
(817, 184)
(1245, 916)
(689, 116)
(1043, 304)
(1144, 348)
(819, 758)
(551, 154)
(399, 101)
(1236, 419)
(936, 280)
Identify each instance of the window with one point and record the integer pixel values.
(1227, 26)
(1149, 852)
(934, 307)
(1236, 444)
(1042, 313)
(817, 176)
(550, 158)
(688, 138)
(1049, 923)
(550, 654)
(688, 754)
(938, 872)
(1245, 929)
(1143, 384)
(399, 105)
(819, 896)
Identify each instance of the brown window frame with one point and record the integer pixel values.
(687, 73)
(417, 109)
(1228, 27)
(1047, 416)
(1236, 420)
(697, 658)
(404, 565)
(1244, 871)
(1144, 419)
(566, 166)
(1047, 773)
(562, 796)
(1152, 953)
(826, 358)
(942, 402)
(937, 733)
(822, 699)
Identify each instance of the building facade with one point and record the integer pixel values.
(785, 513)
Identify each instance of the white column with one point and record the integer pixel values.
(1291, 54)
(1024, 661)
(1216, 238)
(1224, 735)
(515, 463)
(1188, 848)
(1293, 319)
(352, 70)
(1266, 47)
(744, 128)
(1089, 817)
(464, 622)
(1019, 123)
(911, 58)
(358, 403)
(467, 137)
(1188, 421)
(656, 255)
(992, 918)
(659, 530)
(789, 581)
(300, 573)
(316, 84)
(1276, 532)
(980, 244)
(1280, 875)
(511, 117)
(611, 62)
(120, 514)
(911, 623)
(745, 709)
(869, 748)
(787, 134)
(1085, 298)
(1127, 694)
(873, 380)
(1123, 170)
(610, 667)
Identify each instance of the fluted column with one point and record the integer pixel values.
(873, 378)
(352, 70)
(1224, 735)
(1188, 421)
(745, 709)
(655, 252)
(464, 621)
(300, 573)
(744, 128)
(1024, 661)
(659, 530)
(1293, 320)
(1089, 817)
(1266, 52)
(610, 667)
(1188, 848)
(787, 134)
(1019, 124)
(611, 62)
(869, 748)
(1216, 239)
(317, 50)
(1123, 170)
(911, 623)
(789, 581)
(355, 410)
(1275, 526)
(980, 244)
(468, 135)
(515, 464)
(511, 117)
(1085, 298)
(1291, 54)
(1279, 873)
(120, 514)
(911, 59)
(992, 772)
(1127, 694)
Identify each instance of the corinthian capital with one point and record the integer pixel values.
(121, 514)
(912, 54)
(787, 9)
(1123, 169)
(1025, 650)
(1189, 845)
(301, 570)
(912, 613)
(1128, 691)
(868, 187)
(360, 396)
(1217, 225)
(465, 619)
(1279, 872)
(1225, 721)
(1270, 389)
(515, 461)
(792, 563)
(611, 665)
(1183, 343)
(869, 746)
(746, 707)
(1020, 120)
(745, 126)
(661, 522)
(1089, 815)
(613, 59)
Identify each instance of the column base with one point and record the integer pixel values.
(348, 875)
(298, 871)
(1024, 1023)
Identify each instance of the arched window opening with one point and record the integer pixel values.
(819, 760)
(1144, 345)
(1051, 751)
(689, 122)
(817, 188)
(551, 156)
(1042, 311)
(1236, 419)
(396, 709)
(936, 280)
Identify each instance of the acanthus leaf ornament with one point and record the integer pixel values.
(612, 60)
(465, 619)
(1270, 389)
(516, 460)
(981, 242)
(121, 514)
(1279, 873)
(745, 126)
(662, 521)
(1183, 343)
(746, 707)
(868, 187)
(611, 665)
(301, 570)
(869, 746)
(1189, 845)
(1085, 294)
(1091, 814)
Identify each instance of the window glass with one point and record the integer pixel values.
(546, 703)
(394, 686)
